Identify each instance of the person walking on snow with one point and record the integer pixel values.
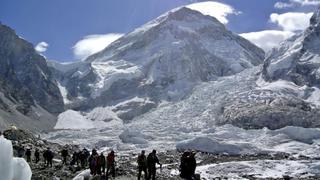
(37, 156)
(152, 160)
(101, 164)
(93, 162)
(48, 155)
(184, 164)
(142, 165)
(28, 155)
(64, 154)
(111, 164)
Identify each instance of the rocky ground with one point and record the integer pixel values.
(24, 139)
(126, 163)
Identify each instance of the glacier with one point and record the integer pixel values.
(180, 124)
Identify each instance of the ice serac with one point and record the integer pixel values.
(160, 61)
(28, 91)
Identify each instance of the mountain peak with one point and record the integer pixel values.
(186, 15)
(315, 19)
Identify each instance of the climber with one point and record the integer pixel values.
(192, 164)
(75, 158)
(184, 164)
(48, 155)
(28, 155)
(142, 165)
(37, 156)
(83, 156)
(111, 164)
(152, 160)
(188, 165)
(93, 162)
(101, 164)
(64, 154)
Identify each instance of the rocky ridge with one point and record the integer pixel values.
(29, 96)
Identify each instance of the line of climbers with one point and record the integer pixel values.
(101, 165)
(48, 155)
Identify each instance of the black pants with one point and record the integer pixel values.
(28, 158)
(99, 169)
(144, 169)
(152, 173)
(103, 168)
(37, 159)
(49, 162)
(111, 169)
(83, 163)
(64, 161)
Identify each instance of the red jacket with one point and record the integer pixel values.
(110, 159)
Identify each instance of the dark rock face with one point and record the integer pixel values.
(76, 78)
(24, 76)
(29, 95)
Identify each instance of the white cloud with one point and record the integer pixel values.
(41, 47)
(291, 21)
(283, 5)
(267, 39)
(306, 2)
(215, 9)
(296, 3)
(93, 43)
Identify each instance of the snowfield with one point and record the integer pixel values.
(260, 169)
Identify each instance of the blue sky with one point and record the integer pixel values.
(61, 24)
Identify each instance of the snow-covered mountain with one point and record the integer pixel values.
(287, 90)
(182, 81)
(161, 61)
(230, 112)
(297, 59)
(28, 92)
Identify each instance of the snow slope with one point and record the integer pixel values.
(155, 49)
(260, 169)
